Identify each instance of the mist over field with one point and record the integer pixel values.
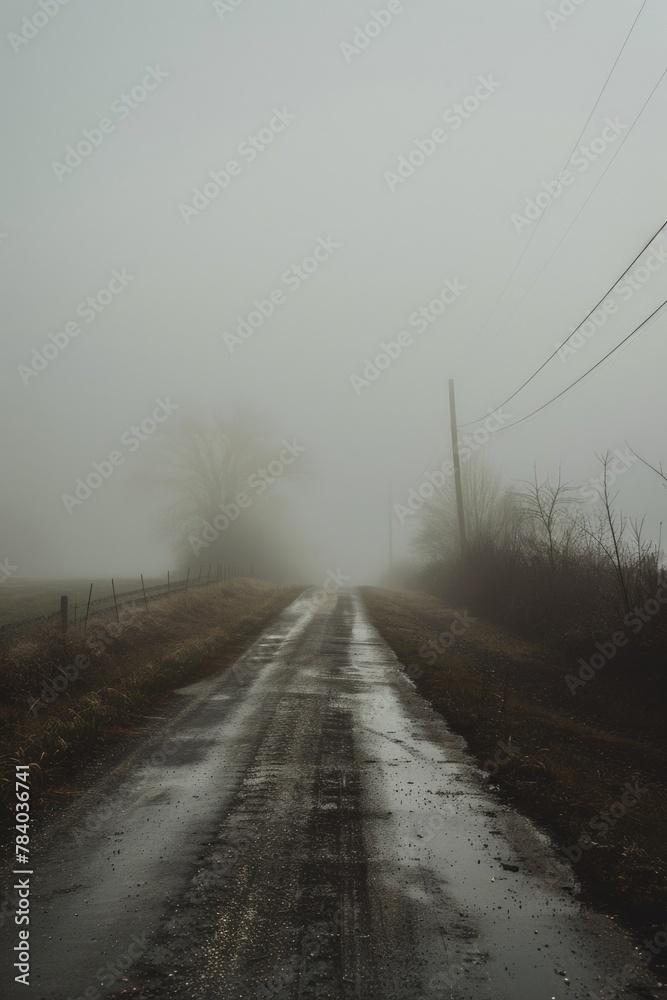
(322, 123)
(333, 597)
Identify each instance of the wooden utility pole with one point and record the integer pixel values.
(457, 467)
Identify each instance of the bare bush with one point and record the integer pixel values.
(537, 555)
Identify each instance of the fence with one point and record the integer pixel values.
(75, 615)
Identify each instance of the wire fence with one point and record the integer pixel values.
(72, 614)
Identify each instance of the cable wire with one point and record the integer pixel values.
(551, 197)
(553, 399)
(587, 316)
(592, 192)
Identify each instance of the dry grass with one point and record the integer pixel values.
(22, 598)
(175, 640)
(569, 757)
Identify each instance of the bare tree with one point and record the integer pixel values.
(489, 511)
(659, 471)
(544, 505)
(202, 469)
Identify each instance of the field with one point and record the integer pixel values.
(33, 598)
(60, 693)
(588, 765)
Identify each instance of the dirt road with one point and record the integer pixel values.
(305, 826)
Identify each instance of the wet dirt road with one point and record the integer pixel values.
(305, 826)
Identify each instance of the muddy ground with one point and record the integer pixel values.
(304, 825)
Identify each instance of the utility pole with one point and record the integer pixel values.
(457, 467)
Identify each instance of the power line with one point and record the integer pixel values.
(591, 193)
(587, 316)
(534, 231)
(581, 377)
(551, 197)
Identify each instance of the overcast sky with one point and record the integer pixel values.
(341, 108)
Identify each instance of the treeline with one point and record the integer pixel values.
(544, 559)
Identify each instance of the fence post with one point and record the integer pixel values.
(186, 580)
(90, 594)
(144, 590)
(63, 613)
(208, 575)
(115, 602)
(168, 584)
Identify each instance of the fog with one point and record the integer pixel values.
(351, 240)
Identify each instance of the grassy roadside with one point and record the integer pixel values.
(563, 759)
(59, 694)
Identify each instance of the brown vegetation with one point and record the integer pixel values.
(562, 756)
(59, 692)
